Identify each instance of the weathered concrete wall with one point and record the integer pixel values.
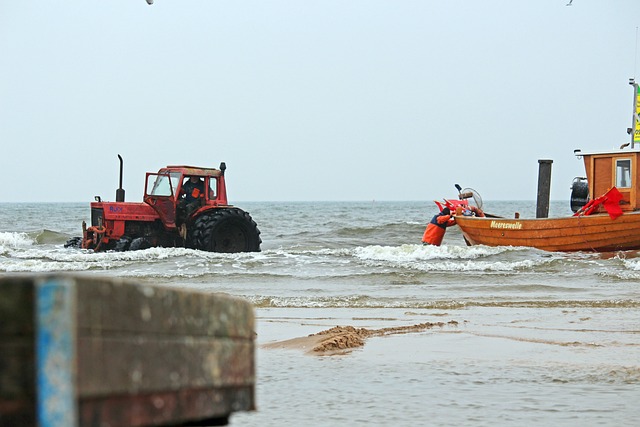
(103, 352)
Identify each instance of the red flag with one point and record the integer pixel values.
(612, 203)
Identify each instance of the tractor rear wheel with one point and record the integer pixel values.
(225, 230)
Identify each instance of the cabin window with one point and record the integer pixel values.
(212, 187)
(162, 184)
(623, 173)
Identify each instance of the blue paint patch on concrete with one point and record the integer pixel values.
(55, 353)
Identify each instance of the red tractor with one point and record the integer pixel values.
(184, 206)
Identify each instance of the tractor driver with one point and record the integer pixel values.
(190, 195)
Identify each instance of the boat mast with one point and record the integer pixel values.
(635, 126)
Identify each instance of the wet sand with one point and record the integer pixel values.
(343, 339)
(478, 366)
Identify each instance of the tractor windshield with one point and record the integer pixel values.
(162, 184)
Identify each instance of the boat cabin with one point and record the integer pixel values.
(618, 168)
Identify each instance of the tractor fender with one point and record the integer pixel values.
(206, 208)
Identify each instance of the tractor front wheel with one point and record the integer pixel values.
(122, 244)
(74, 242)
(225, 230)
(139, 243)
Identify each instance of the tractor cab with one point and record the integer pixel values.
(165, 192)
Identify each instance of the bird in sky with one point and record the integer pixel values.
(570, 1)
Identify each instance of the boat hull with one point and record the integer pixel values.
(576, 233)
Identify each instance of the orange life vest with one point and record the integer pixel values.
(434, 233)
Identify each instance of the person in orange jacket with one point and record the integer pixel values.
(436, 228)
(191, 197)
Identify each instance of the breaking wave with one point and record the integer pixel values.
(366, 301)
(15, 240)
(446, 258)
(21, 252)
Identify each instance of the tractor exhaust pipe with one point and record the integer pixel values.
(223, 167)
(120, 190)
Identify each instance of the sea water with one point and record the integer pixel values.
(537, 338)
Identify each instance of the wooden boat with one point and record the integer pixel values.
(597, 232)
(597, 228)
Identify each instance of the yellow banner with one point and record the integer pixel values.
(636, 131)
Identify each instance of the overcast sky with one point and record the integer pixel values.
(311, 100)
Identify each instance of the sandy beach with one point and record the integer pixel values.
(478, 367)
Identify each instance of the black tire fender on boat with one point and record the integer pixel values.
(228, 230)
(579, 193)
